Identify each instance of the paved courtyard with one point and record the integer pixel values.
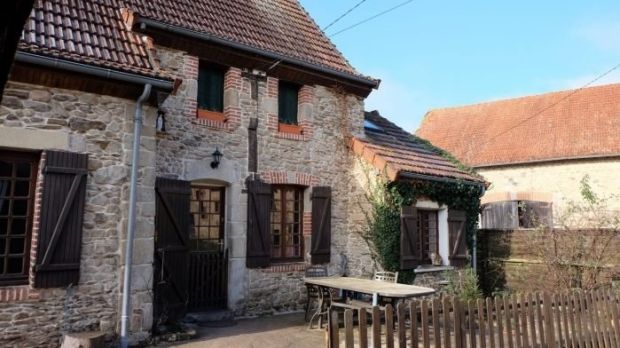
(289, 330)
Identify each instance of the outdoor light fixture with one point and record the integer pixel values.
(217, 156)
(160, 123)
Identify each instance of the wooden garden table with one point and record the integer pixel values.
(366, 286)
(372, 287)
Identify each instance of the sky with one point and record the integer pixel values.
(439, 53)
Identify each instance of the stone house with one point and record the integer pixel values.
(534, 150)
(249, 165)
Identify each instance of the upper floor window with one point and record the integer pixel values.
(288, 95)
(211, 88)
(17, 182)
(286, 223)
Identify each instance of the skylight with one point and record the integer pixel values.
(372, 126)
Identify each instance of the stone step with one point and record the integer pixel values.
(94, 339)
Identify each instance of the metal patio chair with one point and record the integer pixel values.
(313, 290)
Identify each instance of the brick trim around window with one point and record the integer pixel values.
(230, 119)
(303, 131)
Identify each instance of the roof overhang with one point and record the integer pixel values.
(393, 174)
(275, 62)
(92, 70)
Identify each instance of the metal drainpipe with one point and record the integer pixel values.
(474, 257)
(131, 223)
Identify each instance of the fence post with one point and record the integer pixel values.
(376, 327)
(549, 331)
(348, 328)
(363, 323)
(458, 320)
(402, 334)
(334, 340)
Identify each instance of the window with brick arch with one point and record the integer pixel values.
(18, 173)
(286, 223)
(429, 234)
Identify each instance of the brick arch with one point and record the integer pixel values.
(291, 178)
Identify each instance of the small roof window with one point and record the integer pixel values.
(372, 126)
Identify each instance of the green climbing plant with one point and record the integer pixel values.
(383, 219)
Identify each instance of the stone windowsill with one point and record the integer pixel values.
(430, 269)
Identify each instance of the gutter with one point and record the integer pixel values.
(146, 22)
(131, 223)
(408, 175)
(62, 64)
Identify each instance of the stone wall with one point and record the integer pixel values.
(38, 118)
(560, 179)
(327, 116)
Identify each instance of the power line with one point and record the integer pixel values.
(372, 17)
(344, 14)
(543, 109)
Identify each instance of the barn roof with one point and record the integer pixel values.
(562, 125)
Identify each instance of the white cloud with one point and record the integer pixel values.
(398, 102)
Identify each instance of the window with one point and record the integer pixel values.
(210, 88)
(429, 234)
(286, 219)
(17, 183)
(371, 126)
(208, 216)
(288, 94)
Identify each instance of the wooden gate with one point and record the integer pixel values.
(172, 228)
(208, 285)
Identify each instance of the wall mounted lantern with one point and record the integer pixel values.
(217, 156)
(160, 123)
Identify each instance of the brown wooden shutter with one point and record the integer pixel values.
(321, 224)
(260, 200)
(62, 213)
(410, 252)
(500, 216)
(172, 228)
(457, 232)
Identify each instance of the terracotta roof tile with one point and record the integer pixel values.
(584, 124)
(86, 31)
(277, 26)
(391, 148)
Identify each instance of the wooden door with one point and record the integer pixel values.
(208, 265)
(172, 228)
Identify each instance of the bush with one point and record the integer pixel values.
(463, 285)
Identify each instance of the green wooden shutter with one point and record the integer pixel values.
(211, 88)
(62, 213)
(288, 94)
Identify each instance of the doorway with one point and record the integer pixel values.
(208, 256)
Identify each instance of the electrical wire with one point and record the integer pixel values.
(372, 17)
(538, 113)
(344, 14)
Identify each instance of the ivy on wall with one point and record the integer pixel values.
(383, 221)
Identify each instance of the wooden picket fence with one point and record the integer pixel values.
(580, 319)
